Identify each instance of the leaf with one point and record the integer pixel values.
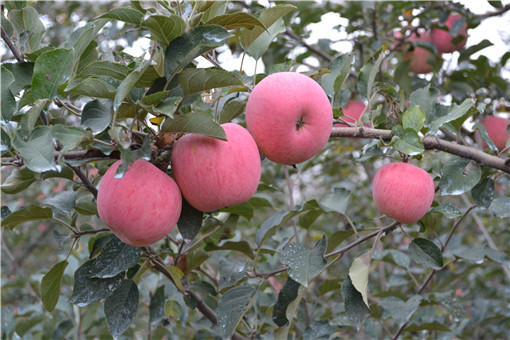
(270, 225)
(27, 214)
(479, 254)
(120, 307)
(332, 82)
(409, 143)
(448, 210)
(64, 201)
(286, 296)
(483, 193)
(426, 253)
(8, 100)
(231, 272)
(466, 53)
(338, 201)
(18, 181)
(68, 136)
(304, 265)
(358, 273)
(198, 80)
(456, 112)
(458, 176)
(128, 83)
(105, 68)
(194, 123)
(91, 87)
(165, 28)
(87, 290)
(338, 237)
(96, 116)
(500, 207)
(367, 76)
(236, 20)
(116, 257)
(125, 14)
(51, 69)
(231, 308)
(190, 45)
(413, 118)
(50, 285)
(356, 309)
(38, 151)
(190, 221)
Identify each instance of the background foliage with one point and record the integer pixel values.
(308, 256)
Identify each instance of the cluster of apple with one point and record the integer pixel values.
(442, 39)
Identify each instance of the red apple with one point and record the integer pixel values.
(403, 191)
(419, 56)
(352, 112)
(443, 39)
(142, 207)
(496, 129)
(213, 173)
(289, 116)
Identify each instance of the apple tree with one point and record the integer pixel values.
(395, 226)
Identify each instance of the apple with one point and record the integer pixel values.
(403, 191)
(142, 207)
(496, 129)
(419, 56)
(352, 112)
(213, 173)
(289, 116)
(443, 39)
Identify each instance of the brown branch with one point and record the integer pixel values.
(17, 54)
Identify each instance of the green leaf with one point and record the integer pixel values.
(27, 214)
(413, 118)
(26, 21)
(338, 237)
(241, 246)
(198, 80)
(332, 82)
(426, 253)
(64, 201)
(18, 181)
(190, 221)
(500, 207)
(338, 201)
(483, 193)
(231, 308)
(456, 112)
(358, 273)
(270, 225)
(466, 53)
(367, 76)
(105, 68)
(50, 285)
(125, 14)
(120, 307)
(7, 98)
(51, 70)
(409, 143)
(479, 254)
(96, 116)
(37, 152)
(304, 265)
(69, 136)
(116, 257)
(87, 290)
(458, 176)
(236, 20)
(231, 272)
(356, 309)
(231, 110)
(448, 210)
(165, 28)
(128, 83)
(190, 45)
(194, 123)
(286, 296)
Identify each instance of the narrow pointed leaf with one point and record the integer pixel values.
(50, 285)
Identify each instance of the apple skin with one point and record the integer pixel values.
(403, 191)
(496, 129)
(443, 39)
(352, 111)
(142, 207)
(212, 173)
(289, 116)
(419, 56)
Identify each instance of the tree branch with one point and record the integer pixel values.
(17, 54)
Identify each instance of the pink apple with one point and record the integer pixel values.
(289, 116)
(403, 191)
(496, 129)
(213, 173)
(419, 56)
(142, 207)
(443, 39)
(352, 111)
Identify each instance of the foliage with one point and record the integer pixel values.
(308, 256)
